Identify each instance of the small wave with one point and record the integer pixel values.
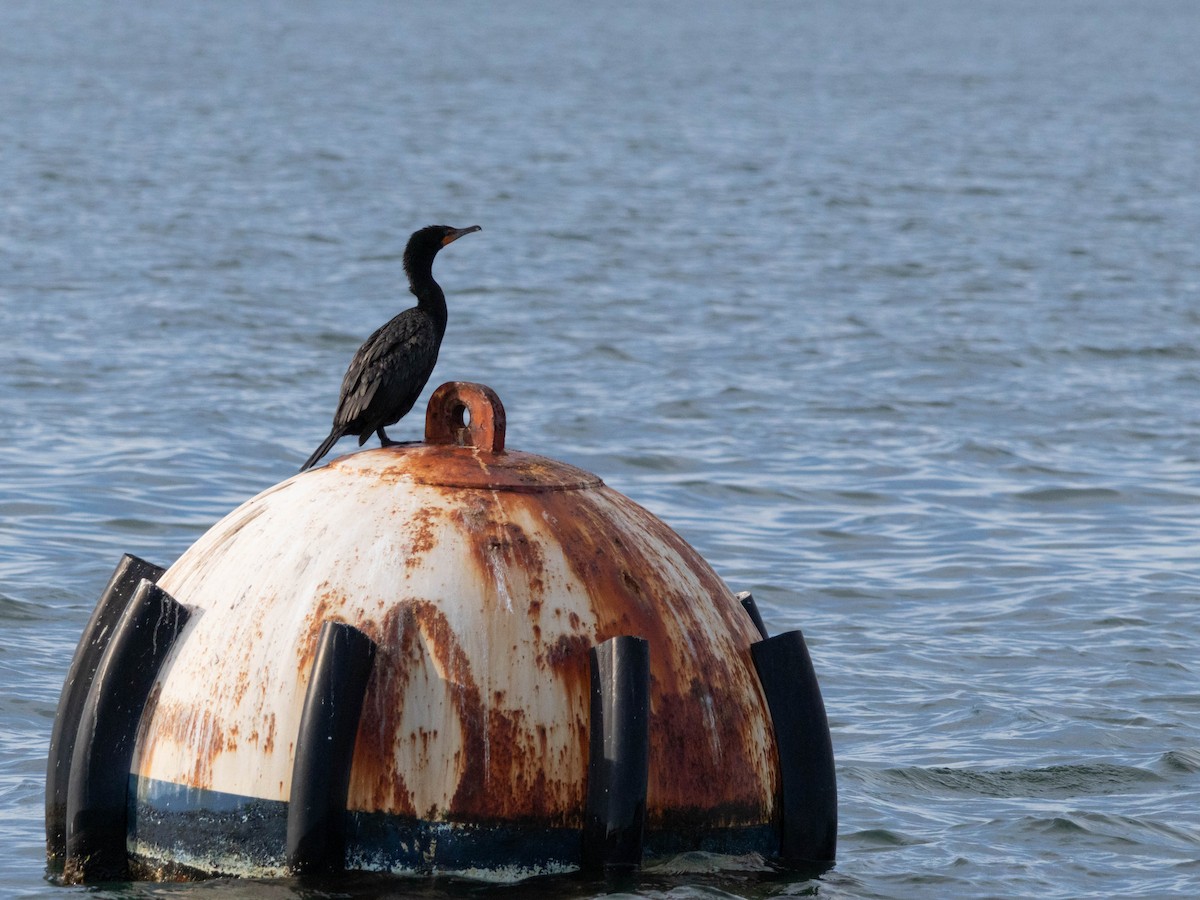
(1128, 830)
(881, 838)
(977, 449)
(1123, 622)
(835, 534)
(129, 525)
(702, 863)
(870, 498)
(14, 610)
(1170, 351)
(1068, 495)
(1089, 779)
(1181, 761)
(613, 353)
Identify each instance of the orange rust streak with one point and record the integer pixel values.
(307, 650)
(606, 543)
(457, 467)
(501, 776)
(499, 547)
(711, 744)
(375, 782)
(424, 535)
(199, 730)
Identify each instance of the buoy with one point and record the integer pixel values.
(443, 657)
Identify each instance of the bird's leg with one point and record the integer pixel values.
(384, 440)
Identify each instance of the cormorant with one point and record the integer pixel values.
(390, 369)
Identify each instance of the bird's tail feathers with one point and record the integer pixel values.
(334, 437)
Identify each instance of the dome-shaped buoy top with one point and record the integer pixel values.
(486, 584)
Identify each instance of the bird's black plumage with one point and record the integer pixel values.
(389, 370)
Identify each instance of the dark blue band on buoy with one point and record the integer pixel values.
(128, 574)
(751, 608)
(316, 820)
(618, 760)
(808, 833)
(96, 804)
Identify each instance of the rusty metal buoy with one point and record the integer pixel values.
(437, 657)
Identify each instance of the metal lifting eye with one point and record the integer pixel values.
(464, 414)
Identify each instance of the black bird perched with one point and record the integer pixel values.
(390, 369)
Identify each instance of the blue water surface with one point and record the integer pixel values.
(890, 308)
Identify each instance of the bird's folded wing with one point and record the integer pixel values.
(382, 356)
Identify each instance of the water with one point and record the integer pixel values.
(891, 309)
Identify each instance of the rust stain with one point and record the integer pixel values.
(242, 684)
(269, 727)
(709, 733)
(445, 465)
(499, 768)
(198, 730)
(327, 599)
(502, 776)
(424, 535)
(701, 747)
(375, 781)
(507, 561)
(465, 697)
(568, 655)
(706, 705)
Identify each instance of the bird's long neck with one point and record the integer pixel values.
(428, 292)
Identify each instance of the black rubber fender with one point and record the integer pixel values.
(808, 830)
(618, 756)
(97, 792)
(316, 821)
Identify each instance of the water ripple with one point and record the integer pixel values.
(889, 309)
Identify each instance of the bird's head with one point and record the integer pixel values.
(426, 242)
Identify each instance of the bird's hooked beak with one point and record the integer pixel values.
(457, 233)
